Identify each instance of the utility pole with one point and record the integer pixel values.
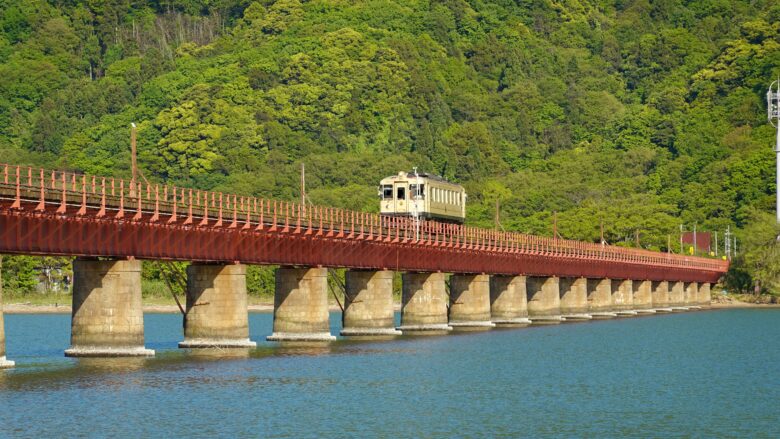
(682, 250)
(716, 243)
(555, 225)
(497, 218)
(303, 189)
(727, 243)
(694, 240)
(133, 163)
(773, 115)
(601, 225)
(637, 238)
(668, 243)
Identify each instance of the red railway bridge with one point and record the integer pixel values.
(496, 277)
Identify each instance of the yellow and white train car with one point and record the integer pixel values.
(427, 195)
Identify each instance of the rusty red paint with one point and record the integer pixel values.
(41, 219)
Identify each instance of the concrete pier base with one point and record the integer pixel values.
(424, 304)
(643, 297)
(705, 295)
(574, 299)
(508, 301)
(107, 318)
(692, 295)
(623, 297)
(600, 298)
(677, 297)
(216, 315)
(544, 300)
(368, 304)
(4, 362)
(660, 293)
(470, 302)
(301, 306)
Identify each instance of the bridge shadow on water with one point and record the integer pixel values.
(47, 370)
(58, 373)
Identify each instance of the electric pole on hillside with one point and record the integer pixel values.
(303, 189)
(133, 162)
(773, 114)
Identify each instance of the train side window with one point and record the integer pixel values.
(414, 193)
(401, 193)
(387, 192)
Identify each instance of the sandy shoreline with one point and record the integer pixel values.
(23, 308)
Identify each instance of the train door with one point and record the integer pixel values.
(401, 196)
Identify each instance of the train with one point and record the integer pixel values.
(427, 196)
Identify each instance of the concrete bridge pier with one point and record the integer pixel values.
(660, 293)
(574, 299)
(107, 318)
(301, 305)
(216, 315)
(677, 297)
(544, 300)
(470, 302)
(643, 297)
(4, 362)
(600, 298)
(705, 296)
(508, 301)
(424, 304)
(623, 297)
(692, 295)
(368, 304)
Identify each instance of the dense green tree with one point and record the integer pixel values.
(637, 114)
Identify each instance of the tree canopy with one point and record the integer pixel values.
(636, 114)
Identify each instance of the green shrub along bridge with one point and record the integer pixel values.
(496, 278)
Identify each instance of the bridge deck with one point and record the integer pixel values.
(61, 213)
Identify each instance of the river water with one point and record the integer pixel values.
(701, 374)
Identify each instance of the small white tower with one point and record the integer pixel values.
(773, 114)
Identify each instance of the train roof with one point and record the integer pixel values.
(421, 175)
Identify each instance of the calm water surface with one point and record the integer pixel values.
(703, 374)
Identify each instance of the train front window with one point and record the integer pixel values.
(400, 193)
(387, 192)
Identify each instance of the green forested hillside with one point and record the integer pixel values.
(642, 114)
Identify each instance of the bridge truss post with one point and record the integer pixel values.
(424, 304)
(544, 300)
(301, 305)
(600, 299)
(368, 304)
(470, 302)
(508, 301)
(660, 293)
(574, 299)
(623, 297)
(4, 363)
(107, 318)
(216, 315)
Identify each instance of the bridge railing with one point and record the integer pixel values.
(68, 193)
